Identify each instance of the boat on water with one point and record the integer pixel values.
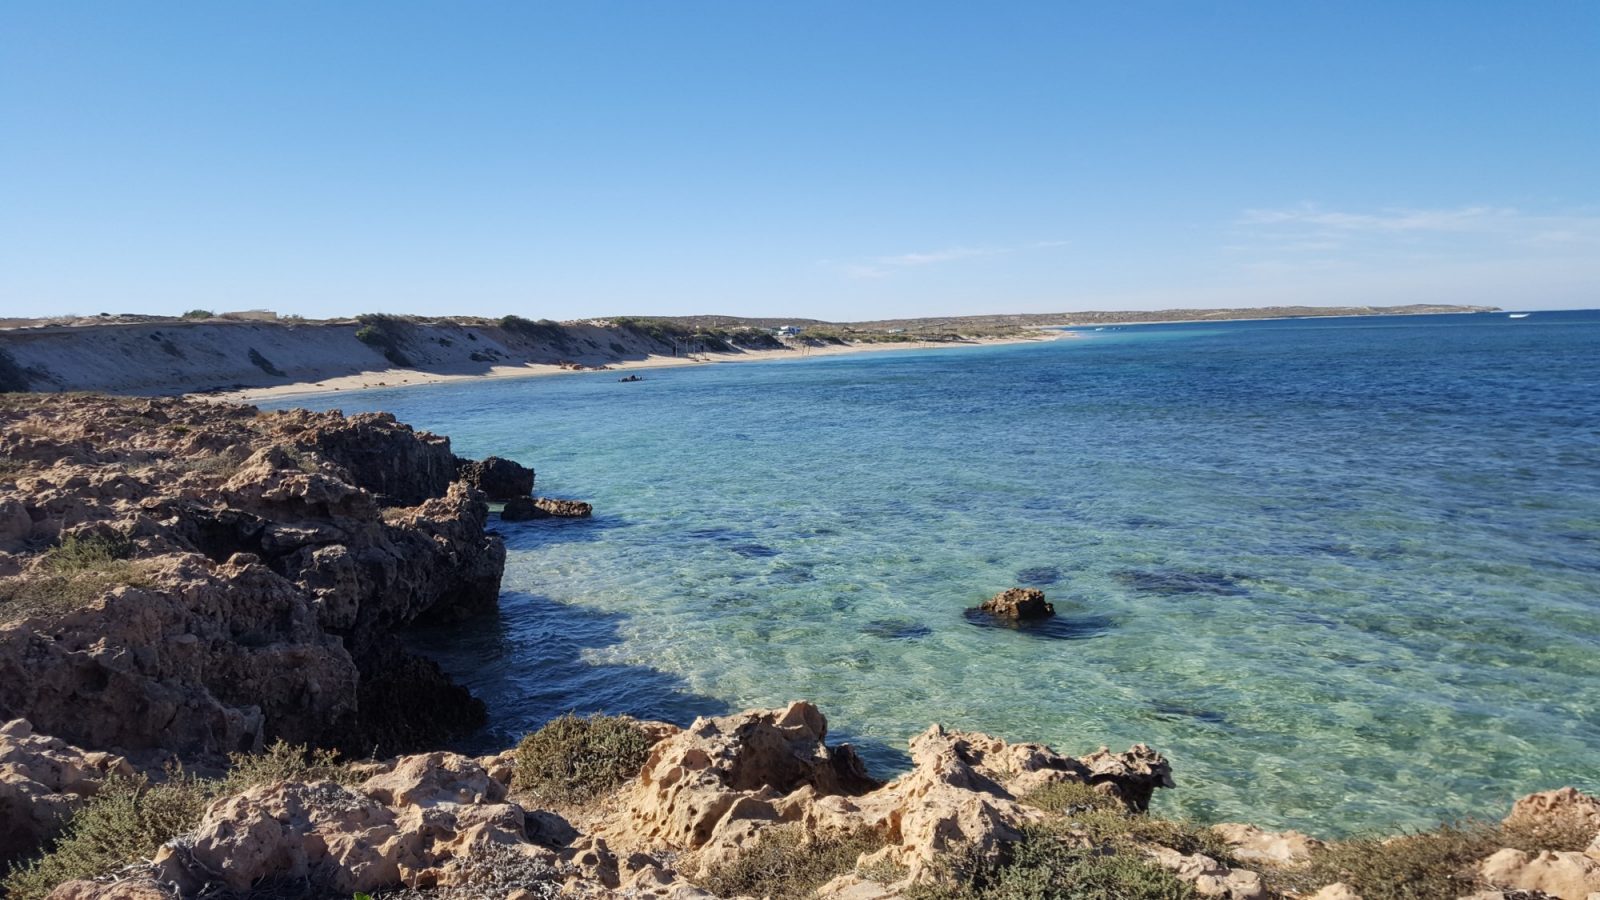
(1517, 315)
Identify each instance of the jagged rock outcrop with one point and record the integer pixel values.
(499, 479)
(201, 578)
(1018, 604)
(43, 780)
(711, 789)
(445, 821)
(1564, 874)
(437, 820)
(1566, 805)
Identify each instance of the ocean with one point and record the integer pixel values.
(1345, 573)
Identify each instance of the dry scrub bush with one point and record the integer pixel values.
(574, 759)
(783, 865)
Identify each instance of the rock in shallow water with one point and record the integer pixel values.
(524, 509)
(1020, 604)
(499, 479)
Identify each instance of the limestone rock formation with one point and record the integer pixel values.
(1564, 805)
(711, 789)
(1255, 845)
(1566, 875)
(1020, 604)
(42, 781)
(499, 479)
(202, 578)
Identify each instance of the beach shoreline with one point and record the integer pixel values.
(396, 377)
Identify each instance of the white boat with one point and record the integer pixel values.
(1517, 315)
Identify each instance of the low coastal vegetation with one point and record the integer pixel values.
(1440, 864)
(542, 330)
(129, 818)
(573, 759)
(785, 865)
(1053, 863)
(386, 334)
(77, 571)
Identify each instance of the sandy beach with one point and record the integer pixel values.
(412, 377)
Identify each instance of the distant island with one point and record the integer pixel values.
(254, 353)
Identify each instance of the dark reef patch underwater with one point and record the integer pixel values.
(1344, 572)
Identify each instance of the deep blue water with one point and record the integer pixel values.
(1344, 572)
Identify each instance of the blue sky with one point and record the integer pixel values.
(837, 160)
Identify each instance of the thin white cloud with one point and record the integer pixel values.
(883, 266)
(1466, 218)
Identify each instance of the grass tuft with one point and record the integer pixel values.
(783, 865)
(1431, 865)
(573, 759)
(1070, 798)
(77, 572)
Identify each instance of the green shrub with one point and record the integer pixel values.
(199, 314)
(128, 820)
(1432, 865)
(77, 572)
(784, 866)
(1049, 865)
(1119, 828)
(542, 330)
(282, 761)
(90, 552)
(573, 759)
(385, 333)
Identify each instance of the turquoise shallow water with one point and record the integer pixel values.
(1345, 573)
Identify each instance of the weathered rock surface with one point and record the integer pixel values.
(499, 479)
(523, 509)
(444, 821)
(1209, 877)
(1021, 604)
(564, 509)
(437, 821)
(43, 780)
(1254, 845)
(1566, 875)
(711, 789)
(1565, 805)
(269, 559)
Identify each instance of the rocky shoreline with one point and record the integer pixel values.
(189, 591)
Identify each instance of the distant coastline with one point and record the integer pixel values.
(258, 355)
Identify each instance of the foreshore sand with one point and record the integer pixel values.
(412, 377)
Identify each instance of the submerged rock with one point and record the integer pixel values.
(1020, 604)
